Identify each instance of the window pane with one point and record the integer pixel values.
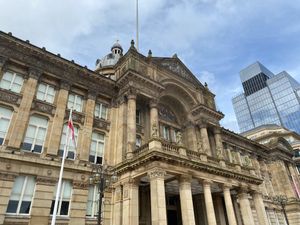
(64, 208)
(12, 206)
(25, 207)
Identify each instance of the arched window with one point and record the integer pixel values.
(5, 117)
(35, 134)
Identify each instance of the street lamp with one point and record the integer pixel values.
(102, 176)
(282, 200)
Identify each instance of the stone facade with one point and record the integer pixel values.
(187, 169)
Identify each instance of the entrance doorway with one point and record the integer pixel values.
(172, 217)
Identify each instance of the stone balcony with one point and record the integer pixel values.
(159, 150)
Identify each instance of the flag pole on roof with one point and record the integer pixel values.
(70, 134)
(137, 25)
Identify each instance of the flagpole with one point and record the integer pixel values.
(66, 148)
(137, 25)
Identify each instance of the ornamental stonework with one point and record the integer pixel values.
(8, 96)
(43, 107)
(101, 124)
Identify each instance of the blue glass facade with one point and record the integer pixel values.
(275, 100)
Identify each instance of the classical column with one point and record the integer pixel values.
(186, 201)
(6, 185)
(158, 198)
(260, 208)
(20, 124)
(191, 136)
(86, 134)
(210, 211)
(131, 124)
(154, 129)
(229, 206)
(43, 195)
(130, 203)
(219, 145)
(117, 213)
(204, 138)
(58, 118)
(245, 207)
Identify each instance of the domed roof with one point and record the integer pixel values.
(111, 58)
(117, 45)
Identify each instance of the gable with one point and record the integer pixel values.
(176, 66)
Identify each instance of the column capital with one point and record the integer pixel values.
(202, 125)
(217, 130)
(66, 85)
(157, 173)
(185, 179)
(153, 103)
(226, 186)
(92, 94)
(207, 182)
(34, 73)
(131, 93)
(243, 189)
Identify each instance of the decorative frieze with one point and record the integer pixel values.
(8, 176)
(46, 181)
(101, 124)
(43, 107)
(11, 97)
(76, 116)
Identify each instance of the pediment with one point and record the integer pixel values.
(176, 66)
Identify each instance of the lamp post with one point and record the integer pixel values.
(102, 176)
(282, 200)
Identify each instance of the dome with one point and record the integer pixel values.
(112, 58)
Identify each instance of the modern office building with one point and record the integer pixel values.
(156, 127)
(267, 99)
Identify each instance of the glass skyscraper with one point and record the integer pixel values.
(267, 99)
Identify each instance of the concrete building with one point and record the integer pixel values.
(267, 99)
(148, 118)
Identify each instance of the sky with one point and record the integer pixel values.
(214, 38)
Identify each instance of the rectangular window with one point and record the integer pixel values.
(5, 116)
(63, 200)
(71, 149)
(75, 101)
(97, 148)
(45, 93)
(100, 111)
(35, 134)
(21, 196)
(166, 132)
(11, 81)
(138, 117)
(92, 203)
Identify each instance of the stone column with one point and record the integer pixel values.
(245, 207)
(191, 136)
(229, 206)
(117, 213)
(158, 198)
(210, 211)
(58, 118)
(78, 204)
(204, 138)
(186, 201)
(131, 124)
(43, 197)
(130, 203)
(219, 145)
(154, 126)
(20, 124)
(260, 208)
(85, 141)
(6, 185)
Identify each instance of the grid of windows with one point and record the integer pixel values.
(92, 203)
(45, 92)
(72, 148)
(5, 117)
(76, 102)
(35, 134)
(63, 200)
(21, 196)
(11, 81)
(100, 111)
(97, 148)
(255, 84)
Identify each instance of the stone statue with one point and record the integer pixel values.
(154, 130)
(179, 138)
(247, 161)
(219, 153)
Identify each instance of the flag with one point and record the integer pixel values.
(71, 129)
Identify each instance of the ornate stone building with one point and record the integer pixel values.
(147, 117)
